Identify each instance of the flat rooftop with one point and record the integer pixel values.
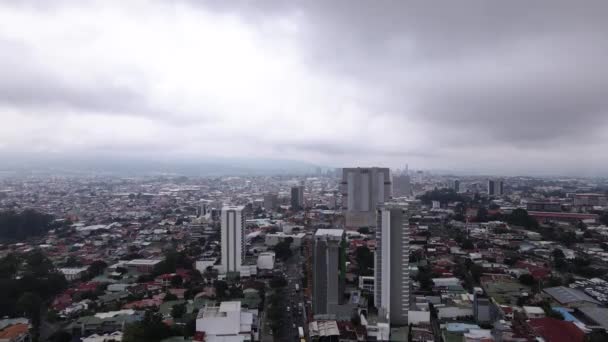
(330, 232)
(143, 262)
(232, 207)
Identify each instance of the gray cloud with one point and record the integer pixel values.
(523, 78)
(515, 71)
(25, 82)
(350, 149)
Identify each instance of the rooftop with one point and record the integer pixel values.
(233, 207)
(13, 331)
(330, 232)
(599, 315)
(566, 295)
(143, 262)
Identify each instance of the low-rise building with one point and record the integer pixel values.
(569, 297)
(226, 322)
(273, 239)
(73, 273)
(266, 261)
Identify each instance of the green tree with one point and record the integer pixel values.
(527, 280)
(221, 287)
(61, 336)
(444, 196)
(96, 268)
(30, 305)
(278, 282)
(363, 230)
(365, 260)
(283, 250)
(467, 244)
(150, 329)
(173, 260)
(482, 214)
(177, 280)
(520, 217)
(604, 218)
(9, 266)
(169, 296)
(18, 226)
(178, 310)
(558, 254)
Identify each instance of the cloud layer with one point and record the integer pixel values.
(508, 87)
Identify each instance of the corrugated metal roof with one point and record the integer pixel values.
(566, 295)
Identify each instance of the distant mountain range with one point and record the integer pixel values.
(133, 166)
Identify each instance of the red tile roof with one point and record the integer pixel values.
(556, 330)
(13, 331)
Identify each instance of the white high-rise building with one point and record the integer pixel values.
(391, 293)
(363, 189)
(233, 239)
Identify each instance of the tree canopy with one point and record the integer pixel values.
(365, 260)
(520, 217)
(173, 260)
(283, 249)
(150, 329)
(444, 195)
(18, 226)
(38, 282)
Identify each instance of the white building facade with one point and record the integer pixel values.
(391, 294)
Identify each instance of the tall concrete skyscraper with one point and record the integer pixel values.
(329, 267)
(233, 240)
(297, 197)
(392, 278)
(362, 190)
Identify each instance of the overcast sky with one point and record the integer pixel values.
(494, 86)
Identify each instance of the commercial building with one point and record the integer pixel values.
(546, 216)
(391, 294)
(226, 322)
(483, 309)
(570, 297)
(140, 265)
(329, 268)
(266, 261)
(544, 206)
(590, 199)
(297, 197)
(363, 189)
(271, 201)
(495, 187)
(455, 185)
(272, 239)
(233, 246)
(402, 185)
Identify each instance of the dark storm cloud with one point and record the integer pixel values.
(516, 71)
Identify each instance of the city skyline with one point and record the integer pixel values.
(439, 87)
